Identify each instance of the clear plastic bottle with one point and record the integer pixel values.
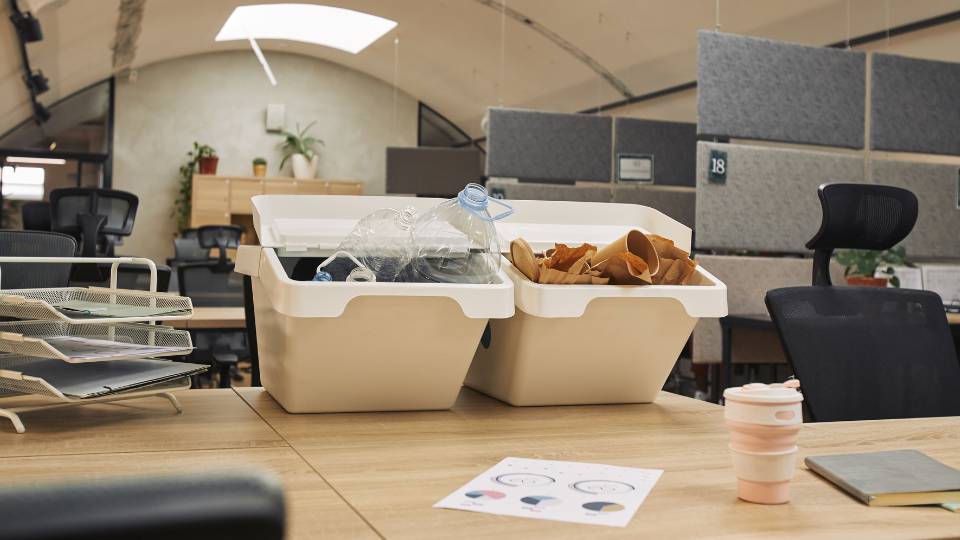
(456, 240)
(382, 242)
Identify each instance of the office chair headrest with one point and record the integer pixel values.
(223, 237)
(118, 207)
(864, 216)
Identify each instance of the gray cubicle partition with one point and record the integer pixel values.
(432, 171)
(548, 146)
(760, 89)
(915, 105)
(936, 185)
(767, 199)
(673, 146)
(676, 202)
(535, 191)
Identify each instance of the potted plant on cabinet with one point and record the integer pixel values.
(259, 167)
(300, 149)
(196, 157)
(862, 265)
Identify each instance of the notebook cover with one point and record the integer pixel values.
(870, 475)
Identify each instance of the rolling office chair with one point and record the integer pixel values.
(241, 506)
(35, 244)
(865, 353)
(35, 216)
(213, 283)
(97, 219)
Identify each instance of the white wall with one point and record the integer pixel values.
(220, 99)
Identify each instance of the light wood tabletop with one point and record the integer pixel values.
(953, 318)
(212, 318)
(378, 474)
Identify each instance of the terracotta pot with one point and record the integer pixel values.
(259, 170)
(208, 165)
(860, 281)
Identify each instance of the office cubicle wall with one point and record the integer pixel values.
(936, 185)
(539, 145)
(676, 202)
(671, 145)
(535, 191)
(915, 105)
(760, 89)
(768, 198)
(432, 171)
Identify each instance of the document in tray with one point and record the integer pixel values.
(85, 309)
(556, 490)
(85, 348)
(103, 378)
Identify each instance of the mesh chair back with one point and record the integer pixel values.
(138, 277)
(864, 353)
(189, 250)
(119, 208)
(35, 244)
(860, 216)
(222, 237)
(36, 216)
(210, 284)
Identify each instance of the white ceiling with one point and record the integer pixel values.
(450, 50)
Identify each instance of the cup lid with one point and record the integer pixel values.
(787, 392)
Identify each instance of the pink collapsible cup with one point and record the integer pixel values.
(764, 422)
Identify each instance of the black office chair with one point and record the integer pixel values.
(35, 216)
(236, 506)
(35, 244)
(213, 283)
(137, 277)
(98, 219)
(864, 353)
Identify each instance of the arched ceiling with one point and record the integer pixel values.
(449, 51)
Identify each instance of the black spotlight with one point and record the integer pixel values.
(38, 83)
(27, 26)
(41, 113)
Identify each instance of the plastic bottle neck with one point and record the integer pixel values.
(474, 198)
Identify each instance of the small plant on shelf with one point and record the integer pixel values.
(259, 167)
(200, 157)
(301, 149)
(861, 265)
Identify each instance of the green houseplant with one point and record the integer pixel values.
(201, 154)
(300, 149)
(259, 167)
(861, 265)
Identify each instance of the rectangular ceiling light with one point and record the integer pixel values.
(344, 29)
(36, 160)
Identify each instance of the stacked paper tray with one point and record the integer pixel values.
(80, 305)
(77, 343)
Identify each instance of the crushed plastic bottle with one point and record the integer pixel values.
(382, 242)
(456, 241)
(359, 274)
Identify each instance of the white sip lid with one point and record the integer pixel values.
(787, 392)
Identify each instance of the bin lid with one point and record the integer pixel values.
(302, 223)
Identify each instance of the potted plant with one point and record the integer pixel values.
(862, 265)
(195, 159)
(300, 149)
(259, 167)
(206, 158)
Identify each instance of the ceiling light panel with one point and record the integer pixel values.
(344, 29)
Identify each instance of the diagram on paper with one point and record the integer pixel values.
(556, 490)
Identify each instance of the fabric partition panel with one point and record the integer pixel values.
(915, 105)
(538, 145)
(432, 171)
(760, 89)
(767, 197)
(533, 191)
(673, 146)
(937, 187)
(676, 202)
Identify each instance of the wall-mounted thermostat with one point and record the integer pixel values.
(275, 117)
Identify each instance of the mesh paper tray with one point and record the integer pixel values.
(77, 343)
(109, 305)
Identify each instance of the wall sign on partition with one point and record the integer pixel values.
(768, 90)
(717, 167)
(635, 168)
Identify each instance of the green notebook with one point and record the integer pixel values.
(897, 478)
(85, 310)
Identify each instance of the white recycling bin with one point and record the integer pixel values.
(339, 346)
(589, 344)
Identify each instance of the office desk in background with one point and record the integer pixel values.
(226, 318)
(360, 475)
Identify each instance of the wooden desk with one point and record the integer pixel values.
(212, 317)
(369, 474)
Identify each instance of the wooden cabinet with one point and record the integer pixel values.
(219, 200)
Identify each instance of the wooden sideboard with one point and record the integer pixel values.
(219, 200)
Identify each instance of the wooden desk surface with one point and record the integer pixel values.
(213, 317)
(953, 318)
(369, 474)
